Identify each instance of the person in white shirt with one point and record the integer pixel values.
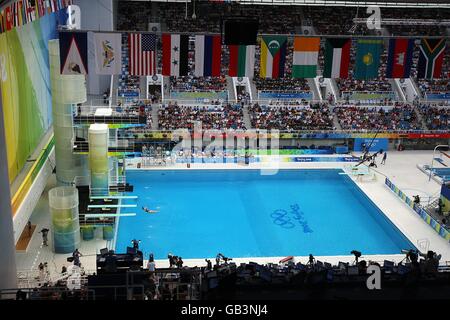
(151, 266)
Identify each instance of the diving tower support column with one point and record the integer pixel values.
(63, 203)
(8, 270)
(98, 159)
(67, 92)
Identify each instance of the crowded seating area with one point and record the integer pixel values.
(174, 116)
(411, 14)
(208, 18)
(401, 117)
(436, 117)
(289, 118)
(334, 20)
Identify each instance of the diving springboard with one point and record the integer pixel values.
(113, 197)
(109, 215)
(93, 206)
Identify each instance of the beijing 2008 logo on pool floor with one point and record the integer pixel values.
(287, 219)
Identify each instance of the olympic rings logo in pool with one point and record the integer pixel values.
(281, 219)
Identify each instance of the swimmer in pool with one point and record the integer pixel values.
(148, 210)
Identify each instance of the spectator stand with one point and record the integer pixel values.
(387, 117)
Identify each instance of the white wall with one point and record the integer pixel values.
(96, 15)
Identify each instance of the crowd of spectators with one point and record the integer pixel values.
(436, 118)
(173, 116)
(400, 117)
(194, 84)
(291, 118)
(411, 14)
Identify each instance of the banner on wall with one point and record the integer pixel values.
(25, 82)
(377, 144)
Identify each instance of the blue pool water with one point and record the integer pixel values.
(241, 213)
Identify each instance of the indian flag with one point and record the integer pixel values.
(273, 56)
(306, 53)
(337, 58)
(242, 61)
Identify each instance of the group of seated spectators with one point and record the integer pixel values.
(436, 118)
(290, 118)
(401, 117)
(174, 116)
(193, 84)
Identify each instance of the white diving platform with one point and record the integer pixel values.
(93, 206)
(108, 215)
(113, 197)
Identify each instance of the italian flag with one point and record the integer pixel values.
(242, 61)
(337, 58)
(273, 56)
(306, 54)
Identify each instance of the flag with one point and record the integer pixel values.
(430, 58)
(306, 54)
(2, 28)
(142, 54)
(273, 56)
(368, 55)
(208, 56)
(30, 11)
(399, 58)
(73, 52)
(175, 54)
(8, 18)
(40, 9)
(15, 14)
(108, 53)
(337, 57)
(242, 60)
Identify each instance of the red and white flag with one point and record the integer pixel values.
(142, 54)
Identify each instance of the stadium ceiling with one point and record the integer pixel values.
(349, 3)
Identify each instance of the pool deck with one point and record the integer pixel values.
(401, 168)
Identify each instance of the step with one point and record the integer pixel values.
(113, 197)
(93, 206)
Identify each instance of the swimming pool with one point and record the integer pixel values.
(241, 213)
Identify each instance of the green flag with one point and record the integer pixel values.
(368, 55)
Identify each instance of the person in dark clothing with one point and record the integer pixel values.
(208, 264)
(20, 295)
(384, 158)
(179, 263)
(76, 258)
(44, 232)
(30, 228)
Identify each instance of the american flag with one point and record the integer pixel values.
(142, 54)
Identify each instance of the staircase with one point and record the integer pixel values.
(155, 116)
(420, 118)
(253, 90)
(247, 121)
(143, 87)
(231, 91)
(336, 123)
